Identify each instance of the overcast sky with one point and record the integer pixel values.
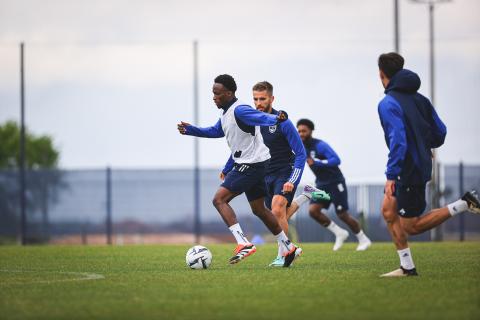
(110, 79)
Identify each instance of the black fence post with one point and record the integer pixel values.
(22, 176)
(460, 188)
(109, 206)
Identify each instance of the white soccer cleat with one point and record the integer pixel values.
(340, 239)
(400, 272)
(364, 245)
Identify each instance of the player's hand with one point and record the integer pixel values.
(390, 188)
(288, 187)
(282, 116)
(310, 161)
(222, 176)
(182, 127)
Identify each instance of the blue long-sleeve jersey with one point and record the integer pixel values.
(411, 127)
(286, 150)
(247, 119)
(326, 162)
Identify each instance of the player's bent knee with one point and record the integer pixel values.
(389, 216)
(218, 201)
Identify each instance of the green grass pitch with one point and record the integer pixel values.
(152, 282)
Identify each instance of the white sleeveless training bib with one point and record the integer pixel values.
(246, 147)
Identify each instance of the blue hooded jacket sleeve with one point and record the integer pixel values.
(214, 131)
(229, 165)
(391, 115)
(332, 159)
(253, 117)
(439, 130)
(291, 134)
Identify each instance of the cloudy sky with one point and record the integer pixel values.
(110, 79)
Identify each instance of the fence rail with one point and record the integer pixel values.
(142, 206)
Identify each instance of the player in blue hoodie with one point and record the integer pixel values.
(412, 129)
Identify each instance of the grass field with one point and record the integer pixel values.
(152, 282)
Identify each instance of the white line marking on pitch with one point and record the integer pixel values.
(82, 275)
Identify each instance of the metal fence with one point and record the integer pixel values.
(77, 206)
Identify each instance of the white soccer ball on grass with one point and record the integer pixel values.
(198, 257)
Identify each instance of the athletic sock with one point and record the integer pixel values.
(361, 236)
(406, 260)
(285, 245)
(335, 229)
(300, 200)
(457, 207)
(238, 234)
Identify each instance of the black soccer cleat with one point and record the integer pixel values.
(241, 252)
(291, 256)
(401, 272)
(411, 272)
(473, 203)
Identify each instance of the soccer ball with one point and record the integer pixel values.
(198, 257)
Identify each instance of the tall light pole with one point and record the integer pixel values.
(434, 183)
(396, 27)
(196, 150)
(22, 176)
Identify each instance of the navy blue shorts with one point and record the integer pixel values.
(274, 185)
(248, 178)
(338, 195)
(411, 201)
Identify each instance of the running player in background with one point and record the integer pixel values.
(324, 163)
(240, 125)
(285, 168)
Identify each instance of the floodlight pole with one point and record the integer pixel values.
(196, 150)
(22, 176)
(396, 26)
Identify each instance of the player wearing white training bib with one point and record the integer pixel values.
(246, 146)
(240, 125)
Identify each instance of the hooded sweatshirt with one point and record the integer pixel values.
(411, 127)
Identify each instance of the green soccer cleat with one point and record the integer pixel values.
(320, 195)
(277, 262)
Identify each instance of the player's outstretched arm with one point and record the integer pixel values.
(214, 131)
(295, 142)
(253, 117)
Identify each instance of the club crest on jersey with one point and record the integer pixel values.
(272, 129)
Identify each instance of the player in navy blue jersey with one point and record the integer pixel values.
(240, 125)
(287, 161)
(411, 129)
(324, 162)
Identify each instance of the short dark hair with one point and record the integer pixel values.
(227, 81)
(390, 63)
(306, 122)
(263, 86)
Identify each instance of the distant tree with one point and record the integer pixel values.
(40, 152)
(43, 178)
